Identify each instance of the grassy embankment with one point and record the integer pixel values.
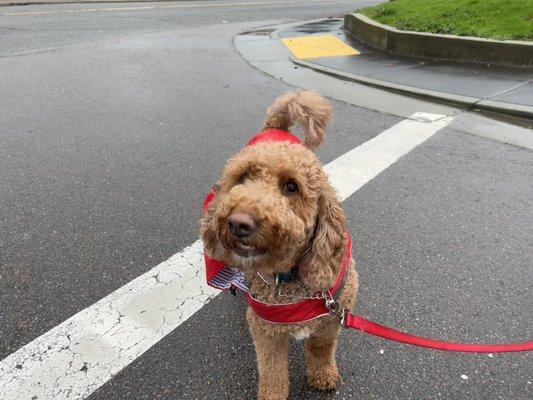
(494, 19)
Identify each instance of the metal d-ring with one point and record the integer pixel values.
(333, 307)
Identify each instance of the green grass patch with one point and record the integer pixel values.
(494, 19)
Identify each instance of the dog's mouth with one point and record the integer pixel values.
(246, 250)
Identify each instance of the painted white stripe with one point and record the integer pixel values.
(352, 170)
(76, 357)
(183, 6)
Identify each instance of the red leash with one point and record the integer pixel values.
(350, 320)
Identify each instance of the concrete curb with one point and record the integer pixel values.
(501, 107)
(448, 47)
(448, 98)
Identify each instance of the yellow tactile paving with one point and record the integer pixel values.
(318, 46)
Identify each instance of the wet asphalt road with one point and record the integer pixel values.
(114, 125)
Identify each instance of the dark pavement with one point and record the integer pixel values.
(107, 150)
(113, 125)
(45, 28)
(437, 255)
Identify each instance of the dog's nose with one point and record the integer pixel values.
(241, 224)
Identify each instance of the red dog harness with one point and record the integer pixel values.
(223, 277)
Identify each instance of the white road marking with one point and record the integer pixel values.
(353, 169)
(127, 8)
(78, 356)
(75, 11)
(208, 5)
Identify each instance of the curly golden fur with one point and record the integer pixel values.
(303, 227)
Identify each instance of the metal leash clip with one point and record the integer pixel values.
(333, 307)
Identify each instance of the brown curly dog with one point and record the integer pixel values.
(275, 212)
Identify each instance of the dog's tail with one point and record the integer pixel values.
(306, 108)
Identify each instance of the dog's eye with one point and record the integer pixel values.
(245, 176)
(291, 187)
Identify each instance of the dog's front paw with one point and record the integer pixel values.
(272, 393)
(324, 378)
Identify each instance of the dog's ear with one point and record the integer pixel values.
(207, 230)
(328, 241)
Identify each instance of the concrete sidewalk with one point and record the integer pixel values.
(505, 90)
